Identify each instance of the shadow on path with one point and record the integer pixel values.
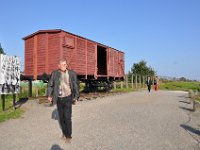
(18, 103)
(188, 109)
(185, 102)
(184, 96)
(190, 129)
(56, 147)
(55, 116)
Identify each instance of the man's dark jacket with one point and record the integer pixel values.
(54, 82)
(149, 83)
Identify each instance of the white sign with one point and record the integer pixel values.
(9, 74)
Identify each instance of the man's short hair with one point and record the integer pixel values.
(62, 60)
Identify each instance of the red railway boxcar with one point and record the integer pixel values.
(93, 62)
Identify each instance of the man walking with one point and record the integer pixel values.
(63, 89)
(149, 83)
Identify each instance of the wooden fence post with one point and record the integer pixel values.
(143, 85)
(114, 84)
(126, 81)
(3, 102)
(121, 85)
(132, 80)
(45, 94)
(14, 100)
(30, 88)
(136, 81)
(36, 92)
(145, 80)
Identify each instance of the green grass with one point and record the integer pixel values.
(9, 112)
(182, 86)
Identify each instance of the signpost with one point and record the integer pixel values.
(9, 77)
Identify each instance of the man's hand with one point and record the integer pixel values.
(50, 99)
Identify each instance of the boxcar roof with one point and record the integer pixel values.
(59, 30)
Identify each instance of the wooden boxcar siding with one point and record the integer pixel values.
(53, 51)
(70, 55)
(43, 50)
(41, 53)
(91, 58)
(111, 62)
(69, 50)
(28, 67)
(121, 66)
(115, 63)
(81, 56)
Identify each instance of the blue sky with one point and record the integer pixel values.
(164, 33)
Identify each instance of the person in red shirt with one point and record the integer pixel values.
(156, 83)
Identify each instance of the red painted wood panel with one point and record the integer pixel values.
(28, 61)
(91, 58)
(121, 64)
(53, 50)
(69, 50)
(81, 56)
(111, 62)
(41, 59)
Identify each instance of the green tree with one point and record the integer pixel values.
(1, 50)
(182, 79)
(141, 68)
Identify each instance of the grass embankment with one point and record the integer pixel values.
(9, 112)
(181, 86)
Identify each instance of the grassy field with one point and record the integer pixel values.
(181, 86)
(9, 112)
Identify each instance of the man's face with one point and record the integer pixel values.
(62, 65)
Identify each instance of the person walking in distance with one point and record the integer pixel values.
(149, 83)
(63, 90)
(156, 83)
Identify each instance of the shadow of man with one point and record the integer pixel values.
(55, 116)
(56, 147)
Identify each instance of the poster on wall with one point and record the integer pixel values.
(9, 74)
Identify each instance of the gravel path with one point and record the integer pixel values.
(160, 120)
